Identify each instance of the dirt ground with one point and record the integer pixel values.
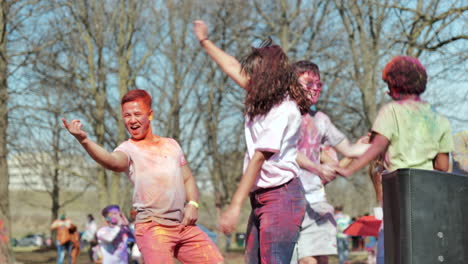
(48, 256)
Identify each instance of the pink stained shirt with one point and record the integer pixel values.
(156, 172)
(315, 131)
(277, 132)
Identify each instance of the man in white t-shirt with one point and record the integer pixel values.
(317, 239)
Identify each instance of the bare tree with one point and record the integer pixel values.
(364, 23)
(5, 248)
(435, 31)
(14, 14)
(45, 160)
(376, 31)
(221, 102)
(429, 25)
(101, 50)
(174, 79)
(297, 24)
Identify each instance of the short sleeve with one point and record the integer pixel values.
(272, 133)
(385, 122)
(446, 140)
(183, 161)
(331, 135)
(180, 153)
(124, 147)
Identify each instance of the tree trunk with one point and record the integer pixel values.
(55, 196)
(6, 255)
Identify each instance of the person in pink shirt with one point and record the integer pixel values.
(319, 141)
(273, 106)
(165, 194)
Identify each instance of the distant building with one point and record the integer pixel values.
(36, 170)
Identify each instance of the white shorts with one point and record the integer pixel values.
(318, 233)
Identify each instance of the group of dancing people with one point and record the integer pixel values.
(284, 170)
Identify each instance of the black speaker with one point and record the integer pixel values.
(425, 217)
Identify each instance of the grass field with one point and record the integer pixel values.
(30, 214)
(48, 256)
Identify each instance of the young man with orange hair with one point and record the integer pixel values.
(165, 195)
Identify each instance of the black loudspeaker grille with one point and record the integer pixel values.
(425, 217)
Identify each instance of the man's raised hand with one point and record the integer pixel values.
(200, 29)
(74, 127)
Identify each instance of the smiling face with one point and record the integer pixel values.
(311, 83)
(137, 115)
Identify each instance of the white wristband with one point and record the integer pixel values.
(194, 203)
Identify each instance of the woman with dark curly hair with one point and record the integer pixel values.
(407, 131)
(273, 106)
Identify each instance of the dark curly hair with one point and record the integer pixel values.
(406, 75)
(272, 79)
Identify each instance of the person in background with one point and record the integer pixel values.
(88, 236)
(342, 240)
(96, 252)
(75, 243)
(113, 237)
(62, 238)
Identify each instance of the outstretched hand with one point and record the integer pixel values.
(200, 29)
(74, 127)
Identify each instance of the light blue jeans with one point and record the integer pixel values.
(61, 250)
(380, 247)
(343, 249)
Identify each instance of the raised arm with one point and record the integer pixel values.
(116, 161)
(228, 63)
